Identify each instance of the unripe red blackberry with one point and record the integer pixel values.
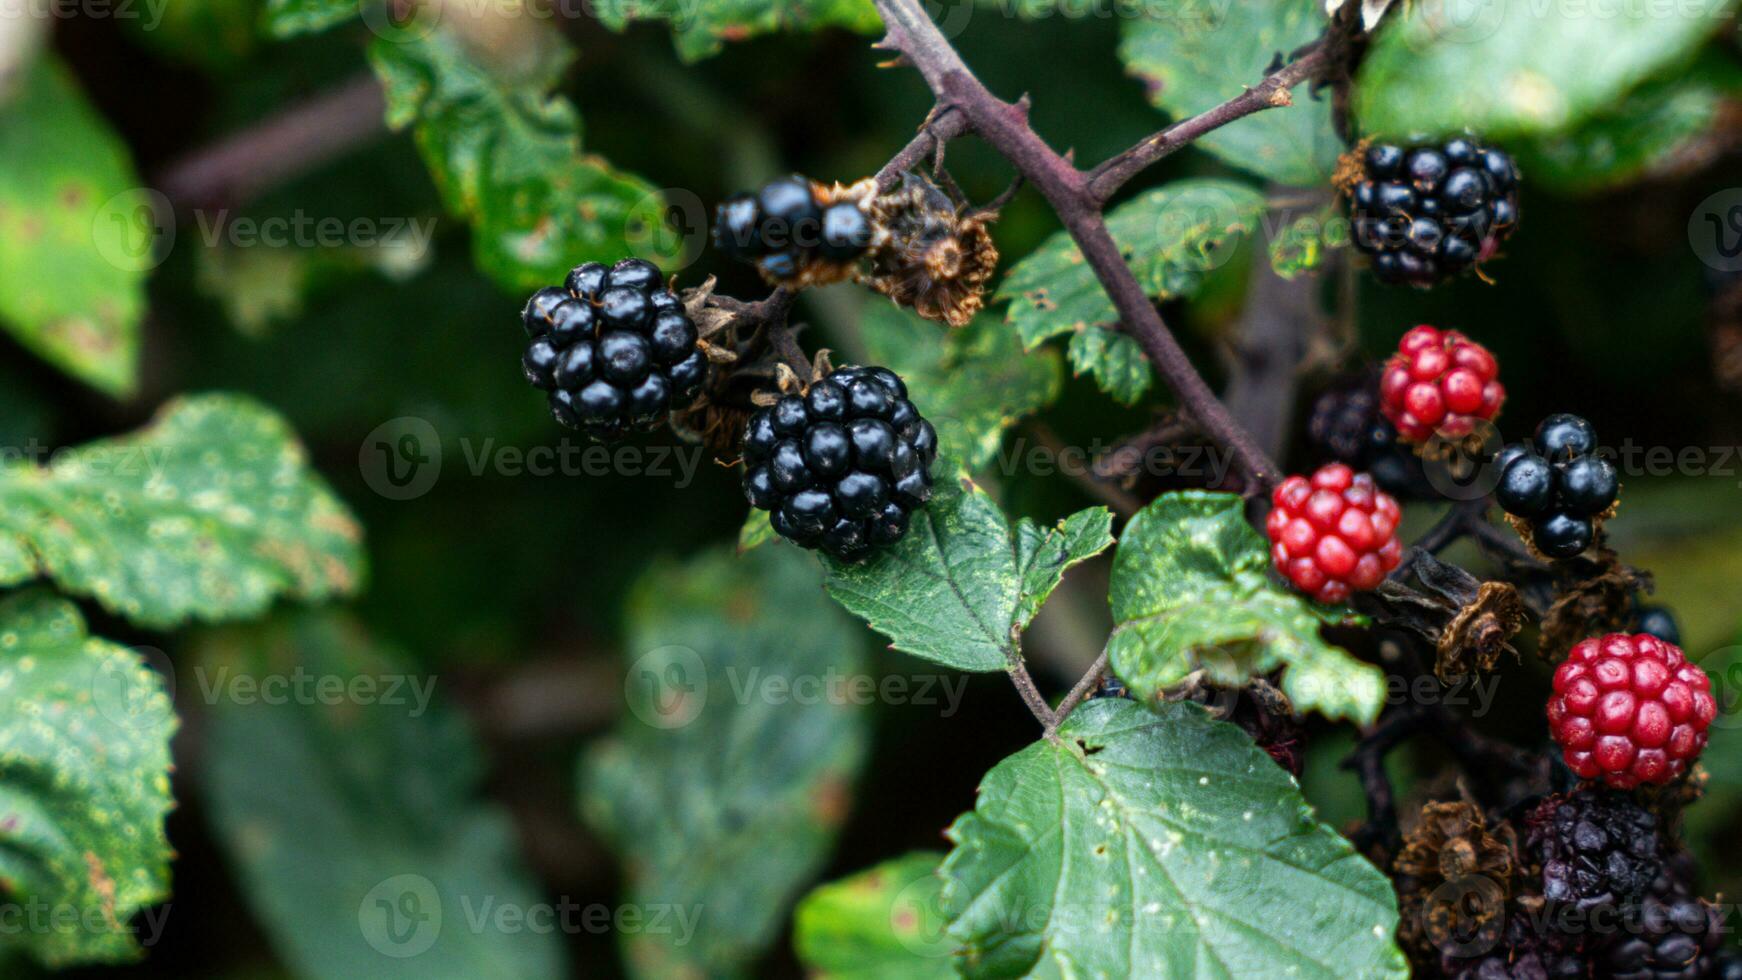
(1439, 382)
(613, 348)
(1630, 710)
(1334, 533)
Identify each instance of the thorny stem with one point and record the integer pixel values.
(965, 103)
(1273, 92)
(1005, 126)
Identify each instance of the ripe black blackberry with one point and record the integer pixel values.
(796, 230)
(1348, 427)
(843, 466)
(1672, 935)
(1427, 212)
(1597, 848)
(1557, 488)
(614, 349)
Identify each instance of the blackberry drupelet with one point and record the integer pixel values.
(1428, 212)
(842, 467)
(613, 348)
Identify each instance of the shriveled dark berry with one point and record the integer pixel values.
(831, 470)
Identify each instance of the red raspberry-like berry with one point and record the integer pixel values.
(1333, 533)
(1630, 710)
(1439, 381)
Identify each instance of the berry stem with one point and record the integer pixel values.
(1005, 126)
(1273, 92)
(1082, 690)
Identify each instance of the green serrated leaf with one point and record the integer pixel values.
(1196, 54)
(1158, 844)
(355, 822)
(1043, 555)
(1511, 70)
(84, 788)
(1115, 360)
(292, 18)
(958, 589)
(701, 30)
(209, 513)
(77, 231)
(884, 923)
(972, 382)
(1173, 237)
(723, 788)
(1303, 246)
(1191, 591)
(506, 156)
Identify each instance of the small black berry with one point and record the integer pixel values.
(1588, 485)
(1527, 485)
(637, 274)
(1561, 437)
(846, 232)
(831, 470)
(1659, 622)
(735, 227)
(1562, 535)
(790, 216)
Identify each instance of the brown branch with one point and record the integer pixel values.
(943, 125)
(241, 166)
(1005, 126)
(1083, 689)
(1024, 681)
(1273, 92)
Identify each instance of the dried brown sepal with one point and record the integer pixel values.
(710, 320)
(1350, 169)
(719, 428)
(1480, 632)
(1454, 877)
(932, 254)
(1598, 601)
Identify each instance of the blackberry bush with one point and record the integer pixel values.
(1427, 212)
(613, 348)
(843, 466)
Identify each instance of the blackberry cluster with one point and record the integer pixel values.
(1598, 849)
(614, 349)
(1426, 213)
(1557, 485)
(1524, 953)
(1348, 427)
(791, 225)
(843, 466)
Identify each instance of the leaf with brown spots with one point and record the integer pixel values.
(209, 513)
(84, 789)
(76, 233)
